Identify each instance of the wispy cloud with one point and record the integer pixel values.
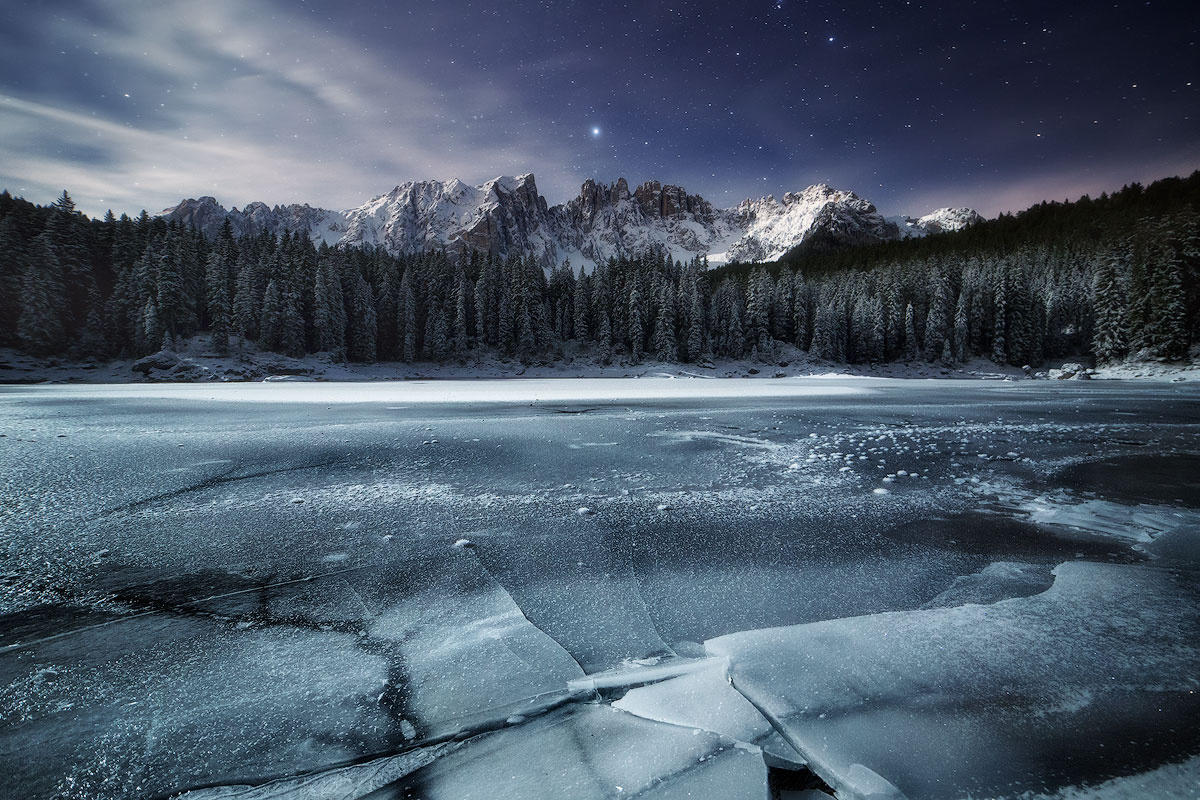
(229, 101)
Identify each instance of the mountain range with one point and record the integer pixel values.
(507, 216)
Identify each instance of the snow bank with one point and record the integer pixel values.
(528, 391)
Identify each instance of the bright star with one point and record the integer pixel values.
(595, 132)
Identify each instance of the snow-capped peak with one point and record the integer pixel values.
(507, 216)
(942, 220)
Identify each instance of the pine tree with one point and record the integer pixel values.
(40, 327)
(216, 281)
(582, 304)
(759, 295)
(437, 343)
(246, 302)
(999, 316)
(464, 293)
(1167, 333)
(363, 324)
(665, 346)
(407, 318)
(636, 331)
(329, 311)
(170, 291)
(877, 335)
(13, 267)
(90, 340)
(911, 349)
(605, 339)
(782, 316)
(937, 324)
(1108, 299)
(151, 331)
(291, 335)
(829, 333)
(272, 323)
(800, 311)
(695, 337)
(962, 332)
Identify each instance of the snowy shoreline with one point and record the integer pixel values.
(194, 364)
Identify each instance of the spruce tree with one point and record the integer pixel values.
(937, 324)
(800, 311)
(271, 327)
(40, 327)
(464, 294)
(911, 348)
(363, 324)
(665, 346)
(999, 317)
(1108, 300)
(581, 306)
(407, 317)
(219, 303)
(636, 332)
(695, 336)
(1167, 333)
(604, 339)
(962, 331)
(329, 311)
(291, 335)
(151, 331)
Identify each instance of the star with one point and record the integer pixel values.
(595, 133)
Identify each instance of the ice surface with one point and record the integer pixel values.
(202, 592)
(465, 652)
(702, 698)
(1180, 781)
(342, 783)
(155, 704)
(590, 751)
(1027, 694)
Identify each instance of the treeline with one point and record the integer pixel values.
(1018, 290)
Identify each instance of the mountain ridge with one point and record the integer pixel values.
(507, 215)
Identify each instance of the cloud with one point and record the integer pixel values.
(229, 101)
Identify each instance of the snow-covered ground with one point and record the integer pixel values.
(195, 362)
(651, 586)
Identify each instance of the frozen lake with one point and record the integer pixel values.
(600, 588)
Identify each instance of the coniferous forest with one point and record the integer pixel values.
(1110, 277)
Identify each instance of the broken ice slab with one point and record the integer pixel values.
(999, 580)
(343, 783)
(590, 601)
(464, 654)
(267, 680)
(699, 696)
(1094, 679)
(590, 751)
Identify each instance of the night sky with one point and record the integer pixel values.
(912, 105)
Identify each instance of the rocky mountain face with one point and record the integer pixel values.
(943, 220)
(507, 216)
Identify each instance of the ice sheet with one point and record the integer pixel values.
(590, 751)
(702, 698)
(1096, 675)
(465, 654)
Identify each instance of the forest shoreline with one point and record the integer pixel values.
(196, 363)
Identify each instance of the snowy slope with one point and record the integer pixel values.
(943, 220)
(773, 227)
(507, 216)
